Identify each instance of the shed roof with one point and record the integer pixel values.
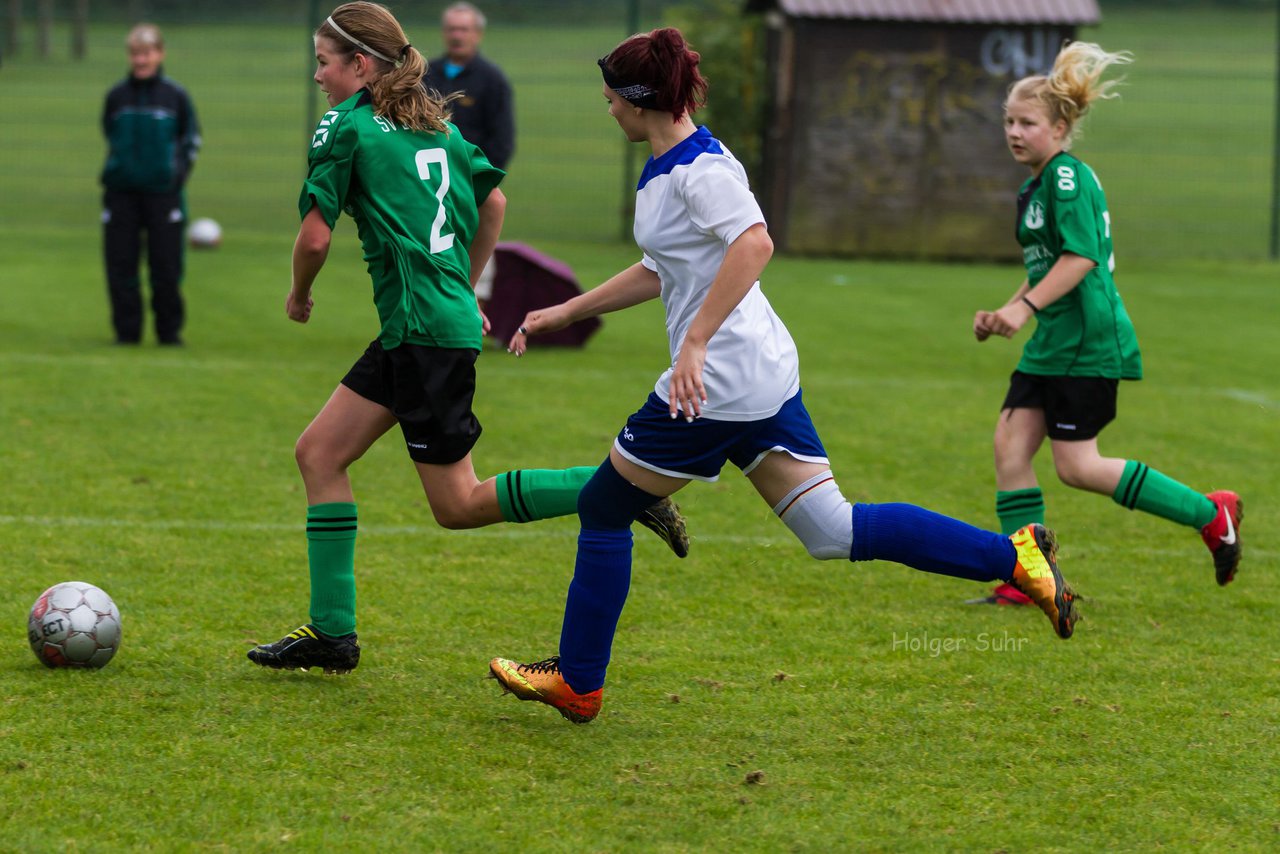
(1076, 12)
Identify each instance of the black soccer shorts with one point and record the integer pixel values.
(430, 392)
(1075, 408)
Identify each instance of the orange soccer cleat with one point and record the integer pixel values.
(542, 681)
(1036, 575)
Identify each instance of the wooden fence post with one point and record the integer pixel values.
(44, 28)
(80, 29)
(12, 27)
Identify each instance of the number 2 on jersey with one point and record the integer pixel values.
(424, 159)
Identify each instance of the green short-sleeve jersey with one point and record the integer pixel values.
(414, 196)
(1086, 333)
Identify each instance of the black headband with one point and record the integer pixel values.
(636, 94)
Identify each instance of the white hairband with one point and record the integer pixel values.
(360, 44)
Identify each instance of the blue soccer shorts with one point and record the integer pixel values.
(698, 449)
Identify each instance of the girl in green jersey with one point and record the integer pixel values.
(1065, 385)
(428, 211)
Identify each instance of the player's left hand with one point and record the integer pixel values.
(687, 395)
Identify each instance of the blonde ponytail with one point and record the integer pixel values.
(400, 96)
(398, 93)
(1073, 84)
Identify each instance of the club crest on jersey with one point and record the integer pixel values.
(322, 130)
(1035, 216)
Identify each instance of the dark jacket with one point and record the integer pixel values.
(152, 134)
(486, 112)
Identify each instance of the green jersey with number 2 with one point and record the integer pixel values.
(1086, 333)
(414, 196)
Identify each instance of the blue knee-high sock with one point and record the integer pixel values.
(607, 506)
(925, 540)
(601, 580)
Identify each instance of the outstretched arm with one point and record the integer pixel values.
(632, 286)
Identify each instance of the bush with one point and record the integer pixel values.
(732, 46)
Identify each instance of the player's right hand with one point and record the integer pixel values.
(299, 311)
(547, 319)
(982, 325)
(687, 394)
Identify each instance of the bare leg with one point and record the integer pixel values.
(457, 497)
(1081, 466)
(338, 436)
(1019, 435)
(651, 482)
(779, 473)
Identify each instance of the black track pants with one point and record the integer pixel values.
(124, 219)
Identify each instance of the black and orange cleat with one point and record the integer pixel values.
(541, 681)
(1036, 575)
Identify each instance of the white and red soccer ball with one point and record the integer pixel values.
(204, 233)
(74, 624)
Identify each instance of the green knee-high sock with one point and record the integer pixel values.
(1143, 488)
(331, 554)
(1017, 508)
(526, 495)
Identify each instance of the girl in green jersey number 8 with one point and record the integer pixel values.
(428, 210)
(1065, 385)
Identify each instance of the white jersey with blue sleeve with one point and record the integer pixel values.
(691, 204)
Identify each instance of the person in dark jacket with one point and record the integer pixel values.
(153, 137)
(484, 110)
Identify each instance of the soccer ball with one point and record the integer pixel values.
(74, 624)
(204, 233)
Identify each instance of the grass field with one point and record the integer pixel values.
(758, 701)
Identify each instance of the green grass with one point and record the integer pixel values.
(167, 478)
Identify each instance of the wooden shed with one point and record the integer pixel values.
(884, 134)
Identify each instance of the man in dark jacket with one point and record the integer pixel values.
(485, 112)
(153, 136)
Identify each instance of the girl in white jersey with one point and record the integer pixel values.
(731, 394)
